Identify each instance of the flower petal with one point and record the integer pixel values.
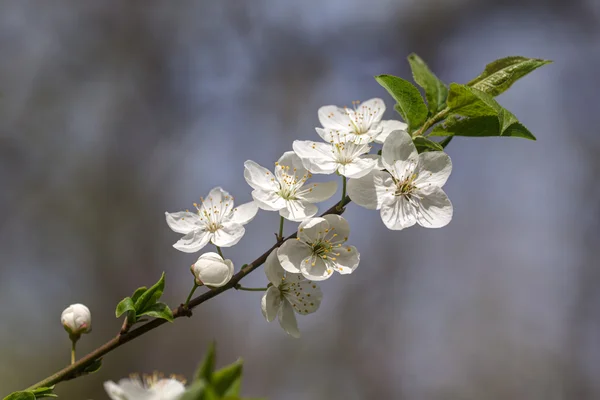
(275, 273)
(305, 296)
(399, 146)
(388, 127)
(435, 209)
(317, 272)
(338, 225)
(228, 235)
(114, 391)
(183, 221)
(398, 214)
(348, 259)
(270, 303)
(258, 177)
(244, 213)
(371, 111)
(312, 229)
(269, 201)
(372, 190)
(168, 389)
(358, 167)
(287, 319)
(133, 389)
(211, 270)
(317, 192)
(193, 241)
(318, 158)
(327, 135)
(298, 210)
(291, 253)
(433, 169)
(334, 117)
(290, 167)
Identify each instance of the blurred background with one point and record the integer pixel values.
(114, 112)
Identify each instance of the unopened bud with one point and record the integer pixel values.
(212, 270)
(76, 319)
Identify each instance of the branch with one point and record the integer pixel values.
(76, 369)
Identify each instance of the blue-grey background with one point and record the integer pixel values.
(114, 112)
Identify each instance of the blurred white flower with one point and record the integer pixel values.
(409, 191)
(348, 158)
(212, 270)
(290, 293)
(362, 123)
(153, 387)
(76, 319)
(216, 221)
(286, 190)
(319, 249)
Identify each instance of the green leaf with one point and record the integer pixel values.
(124, 305)
(44, 392)
(93, 367)
(499, 75)
(138, 292)
(410, 105)
(206, 368)
(20, 396)
(470, 102)
(435, 90)
(150, 296)
(487, 125)
(195, 391)
(446, 141)
(227, 380)
(423, 144)
(158, 310)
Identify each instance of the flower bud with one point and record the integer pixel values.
(76, 319)
(212, 270)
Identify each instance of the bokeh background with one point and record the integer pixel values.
(114, 112)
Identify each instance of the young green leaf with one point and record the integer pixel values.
(124, 305)
(158, 310)
(93, 367)
(206, 368)
(227, 380)
(423, 144)
(150, 296)
(470, 102)
(20, 396)
(195, 391)
(446, 141)
(487, 125)
(410, 105)
(138, 292)
(435, 90)
(499, 75)
(44, 392)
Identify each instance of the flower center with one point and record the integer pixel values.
(289, 181)
(156, 380)
(406, 187)
(211, 213)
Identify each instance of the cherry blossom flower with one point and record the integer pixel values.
(212, 270)
(147, 387)
(290, 293)
(409, 191)
(319, 249)
(216, 221)
(287, 190)
(76, 319)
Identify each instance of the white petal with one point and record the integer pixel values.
(229, 235)
(372, 110)
(317, 272)
(168, 389)
(290, 165)
(433, 169)
(398, 214)
(316, 157)
(312, 229)
(372, 190)
(298, 210)
(435, 208)
(275, 273)
(334, 117)
(183, 221)
(259, 177)
(399, 146)
(339, 226)
(287, 319)
(327, 135)
(133, 389)
(291, 253)
(212, 270)
(358, 167)
(270, 303)
(114, 391)
(193, 241)
(317, 192)
(388, 127)
(244, 213)
(269, 201)
(348, 259)
(305, 296)
(218, 204)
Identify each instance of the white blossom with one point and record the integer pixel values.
(216, 221)
(362, 123)
(290, 293)
(348, 158)
(76, 319)
(319, 249)
(153, 387)
(287, 190)
(409, 190)
(212, 270)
